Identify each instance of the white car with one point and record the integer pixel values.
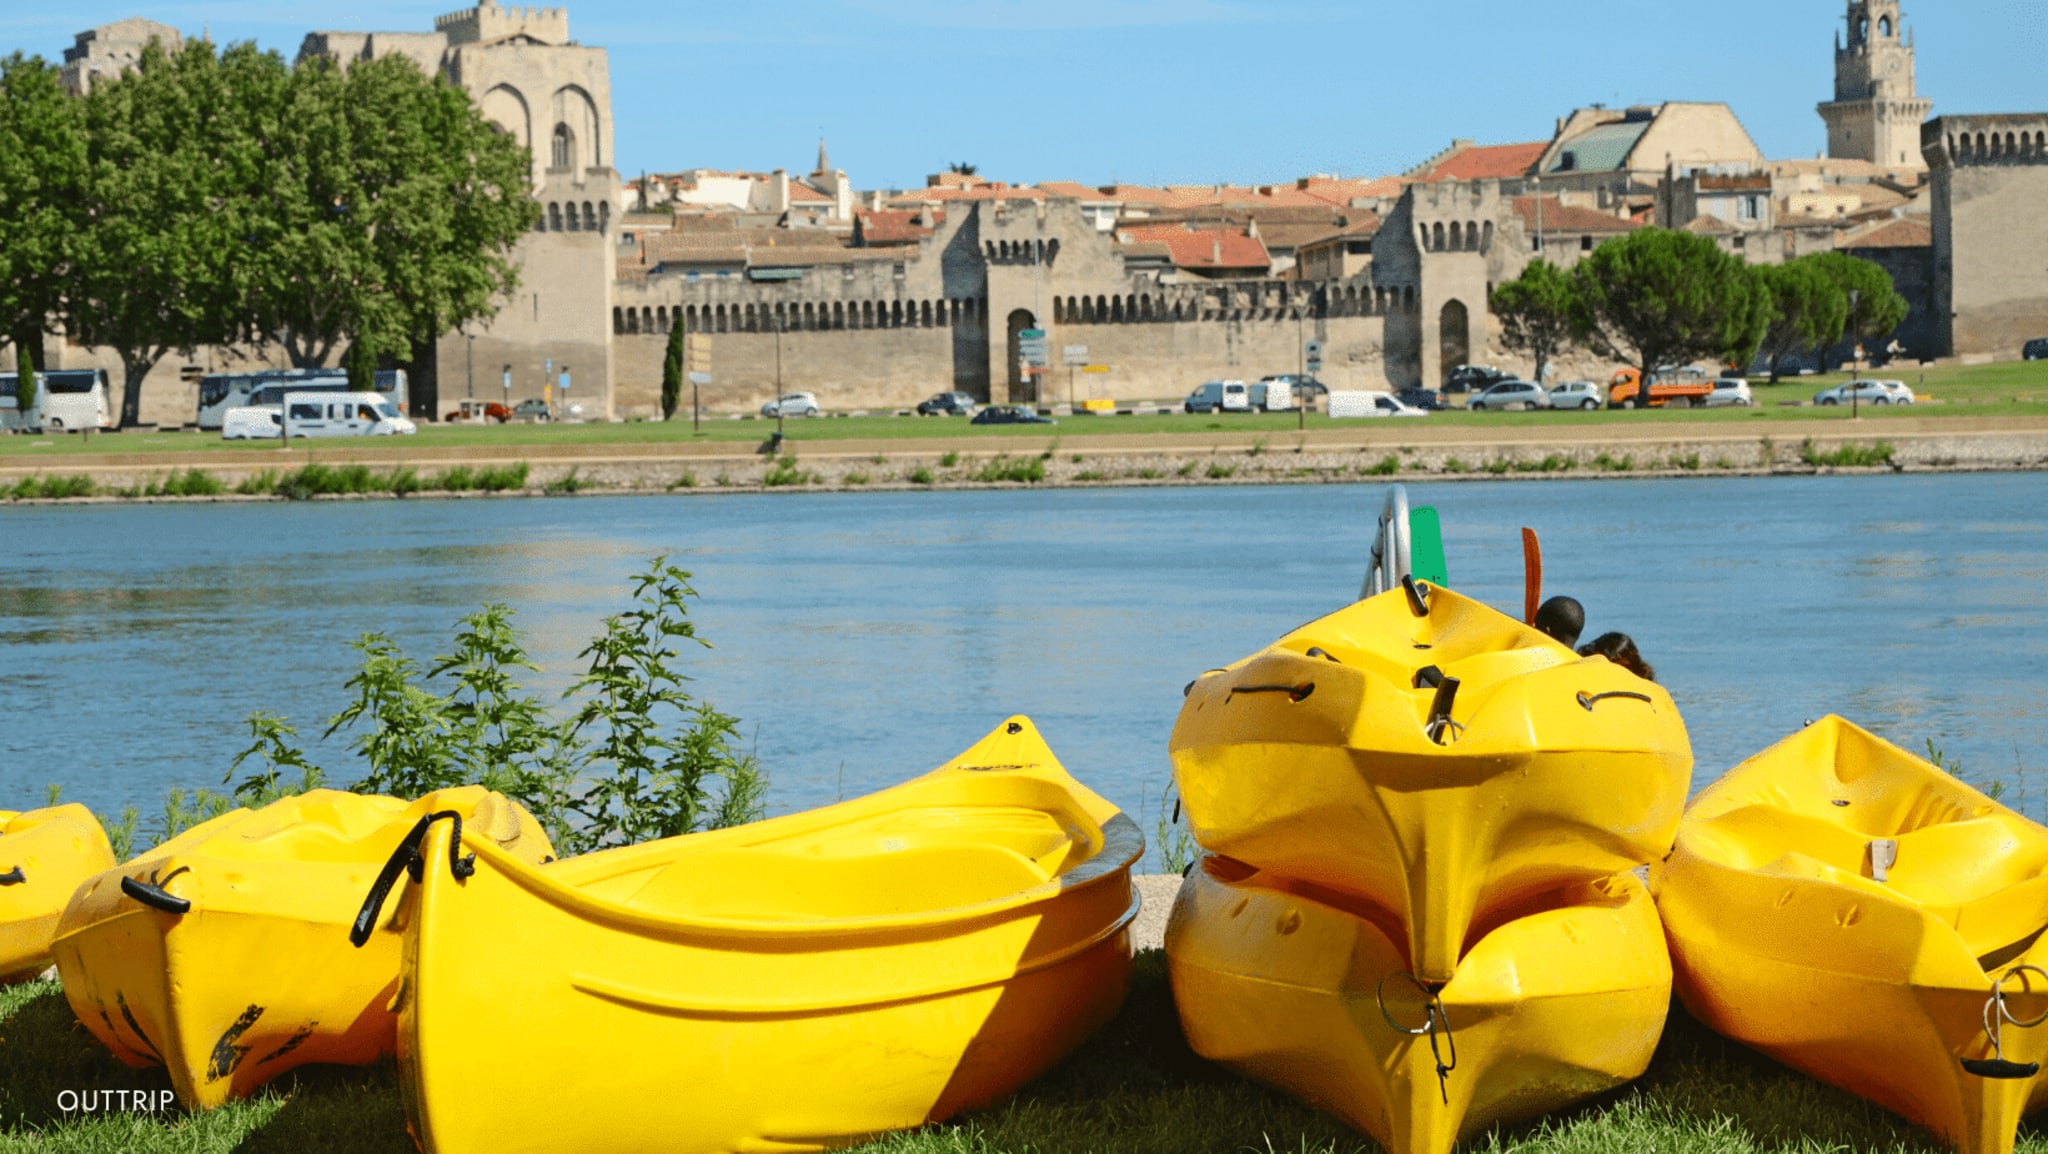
(791, 405)
(1511, 395)
(1730, 391)
(1866, 392)
(1577, 395)
(1361, 403)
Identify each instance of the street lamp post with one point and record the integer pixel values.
(472, 364)
(1854, 296)
(779, 406)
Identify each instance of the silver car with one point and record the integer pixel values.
(1512, 395)
(1577, 395)
(1866, 392)
(1730, 391)
(791, 405)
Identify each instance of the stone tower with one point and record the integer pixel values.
(1876, 113)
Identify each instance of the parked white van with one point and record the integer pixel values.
(318, 415)
(249, 422)
(344, 415)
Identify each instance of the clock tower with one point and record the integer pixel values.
(1876, 113)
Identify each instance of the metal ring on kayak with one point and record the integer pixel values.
(152, 893)
(1434, 1022)
(2005, 1013)
(1590, 699)
(13, 877)
(407, 858)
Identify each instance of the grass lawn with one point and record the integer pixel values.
(2015, 388)
(1135, 1088)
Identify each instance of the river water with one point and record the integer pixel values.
(864, 638)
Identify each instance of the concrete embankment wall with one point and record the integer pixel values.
(1370, 451)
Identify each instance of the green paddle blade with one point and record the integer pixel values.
(1426, 547)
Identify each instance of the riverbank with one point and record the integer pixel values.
(1367, 450)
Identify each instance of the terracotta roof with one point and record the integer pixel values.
(799, 191)
(1907, 232)
(1219, 248)
(717, 241)
(892, 226)
(1073, 190)
(995, 191)
(1488, 162)
(1342, 192)
(1707, 224)
(1561, 217)
(1365, 226)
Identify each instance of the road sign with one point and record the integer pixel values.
(1314, 348)
(697, 353)
(700, 378)
(1075, 355)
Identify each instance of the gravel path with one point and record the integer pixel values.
(1157, 892)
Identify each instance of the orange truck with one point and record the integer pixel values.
(1686, 386)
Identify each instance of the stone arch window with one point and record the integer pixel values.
(2010, 148)
(604, 216)
(1438, 233)
(925, 314)
(867, 314)
(618, 322)
(1059, 310)
(939, 309)
(1145, 306)
(1457, 237)
(554, 216)
(1884, 27)
(1982, 150)
(1101, 310)
(661, 318)
(690, 321)
(1116, 310)
(646, 320)
(589, 217)
(1863, 28)
(563, 153)
(1486, 236)
(1131, 307)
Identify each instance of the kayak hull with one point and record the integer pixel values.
(821, 1004)
(1316, 759)
(1295, 986)
(1785, 938)
(45, 854)
(256, 977)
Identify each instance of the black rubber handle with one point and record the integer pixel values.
(2000, 1068)
(154, 896)
(1418, 596)
(1440, 705)
(403, 859)
(13, 877)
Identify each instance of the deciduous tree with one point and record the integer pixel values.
(1535, 313)
(42, 162)
(1660, 297)
(170, 156)
(1875, 308)
(1808, 309)
(393, 212)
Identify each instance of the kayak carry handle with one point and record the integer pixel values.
(152, 893)
(13, 877)
(1589, 700)
(2000, 1068)
(1293, 692)
(407, 858)
(1440, 721)
(1418, 594)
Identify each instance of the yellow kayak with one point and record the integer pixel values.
(1309, 990)
(1854, 912)
(1436, 758)
(44, 855)
(795, 984)
(223, 955)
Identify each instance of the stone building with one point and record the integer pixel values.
(1877, 110)
(112, 49)
(1990, 214)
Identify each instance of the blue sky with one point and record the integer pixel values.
(1167, 91)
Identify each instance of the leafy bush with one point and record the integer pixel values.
(260, 484)
(1607, 463)
(1456, 465)
(785, 472)
(636, 757)
(857, 478)
(921, 476)
(1387, 466)
(1846, 456)
(1003, 468)
(568, 482)
(403, 481)
(42, 488)
(1090, 475)
(1148, 473)
(949, 460)
(1219, 471)
(685, 480)
(1187, 468)
(1690, 462)
(502, 478)
(1258, 447)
